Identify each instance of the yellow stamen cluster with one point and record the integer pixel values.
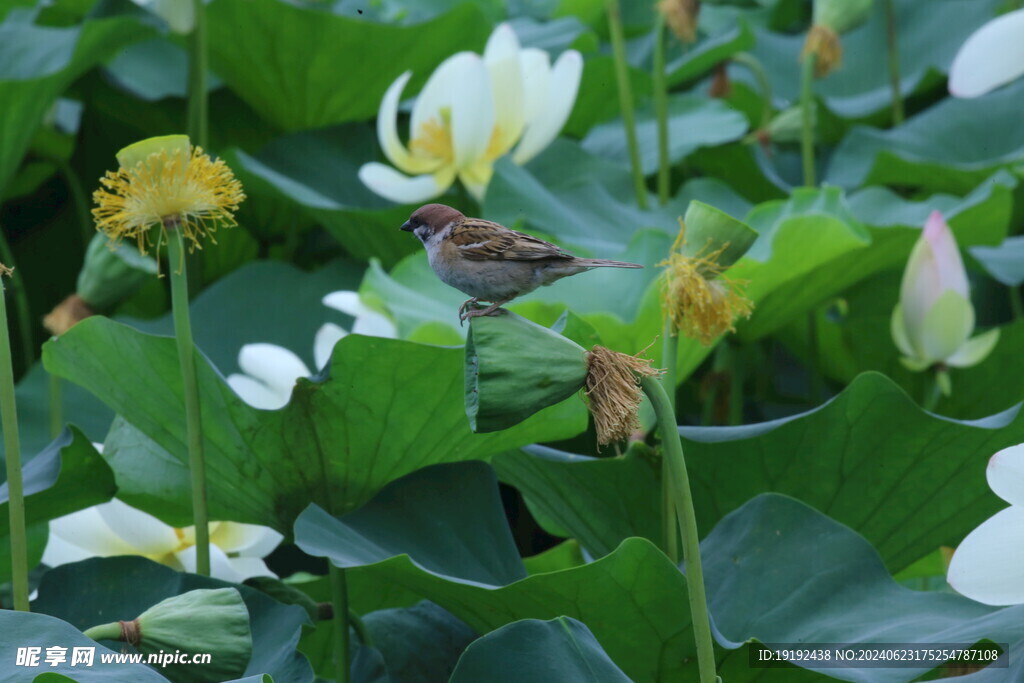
(172, 189)
(681, 17)
(825, 45)
(613, 392)
(697, 299)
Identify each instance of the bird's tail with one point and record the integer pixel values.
(605, 263)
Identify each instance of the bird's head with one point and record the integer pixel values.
(430, 219)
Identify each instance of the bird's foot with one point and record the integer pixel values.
(492, 310)
(464, 309)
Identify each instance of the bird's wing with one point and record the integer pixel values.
(480, 240)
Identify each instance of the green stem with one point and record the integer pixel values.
(807, 114)
(339, 600)
(198, 67)
(56, 408)
(21, 306)
(193, 417)
(669, 351)
(668, 514)
(894, 62)
(934, 391)
(753, 64)
(111, 631)
(12, 456)
(626, 99)
(687, 518)
(660, 86)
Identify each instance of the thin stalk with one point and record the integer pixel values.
(669, 351)
(111, 631)
(339, 600)
(807, 113)
(198, 66)
(894, 62)
(668, 514)
(764, 85)
(626, 99)
(933, 392)
(683, 498)
(190, 387)
(12, 456)
(660, 86)
(56, 407)
(21, 307)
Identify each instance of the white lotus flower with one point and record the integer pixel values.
(472, 111)
(992, 56)
(115, 528)
(934, 319)
(989, 564)
(269, 371)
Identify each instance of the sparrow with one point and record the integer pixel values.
(490, 262)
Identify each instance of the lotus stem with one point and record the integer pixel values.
(682, 499)
(661, 108)
(807, 114)
(339, 600)
(12, 456)
(190, 388)
(21, 305)
(892, 40)
(198, 66)
(764, 85)
(626, 99)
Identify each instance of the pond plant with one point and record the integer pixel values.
(251, 434)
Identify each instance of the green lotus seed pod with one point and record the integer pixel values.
(112, 274)
(204, 621)
(515, 368)
(841, 15)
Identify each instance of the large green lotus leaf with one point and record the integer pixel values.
(906, 479)
(597, 99)
(66, 476)
(929, 36)
(633, 599)
(598, 501)
(693, 121)
(38, 63)
(317, 171)
(25, 629)
(588, 203)
(861, 340)
(154, 69)
(562, 649)
(763, 583)
(820, 243)
(951, 147)
(797, 236)
(405, 12)
(93, 592)
(1004, 262)
(263, 301)
(345, 435)
(261, 48)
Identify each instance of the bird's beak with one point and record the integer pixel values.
(408, 226)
